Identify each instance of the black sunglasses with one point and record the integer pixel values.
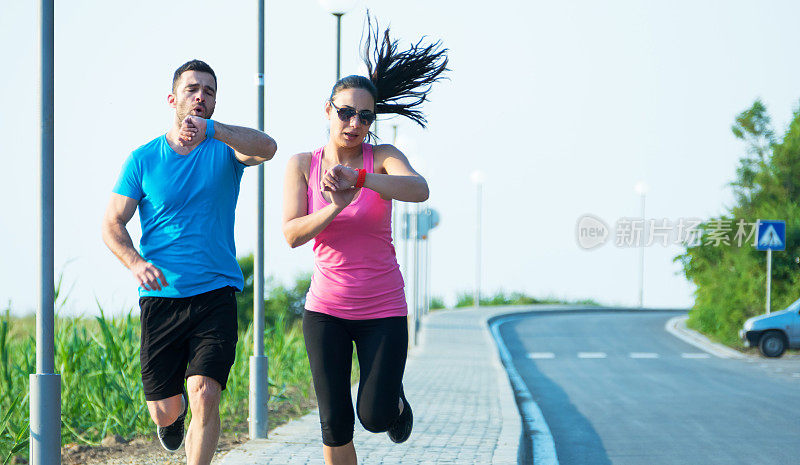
(347, 113)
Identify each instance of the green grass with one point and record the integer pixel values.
(101, 390)
(467, 299)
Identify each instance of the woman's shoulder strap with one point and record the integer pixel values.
(369, 157)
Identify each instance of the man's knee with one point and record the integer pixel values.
(204, 393)
(164, 419)
(165, 412)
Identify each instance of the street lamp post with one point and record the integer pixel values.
(427, 307)
(338, 8)
(395, 203)
(338, 45)
(415, 271)
(478, 179)
(641, 189)
(259, 363)
(45, 384)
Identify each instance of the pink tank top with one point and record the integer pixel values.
(356, 275)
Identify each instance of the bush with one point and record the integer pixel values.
(467, 299)
(437, 302)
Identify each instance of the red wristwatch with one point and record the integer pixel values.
(362, 176)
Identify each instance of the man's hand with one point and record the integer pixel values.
(148, 276)
(192, 128)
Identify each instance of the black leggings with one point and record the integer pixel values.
(381, 345)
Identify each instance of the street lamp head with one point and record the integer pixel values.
(640, 188)
(477, 177)
(338, 7)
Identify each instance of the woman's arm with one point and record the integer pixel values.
(299, 226)
(400, 181)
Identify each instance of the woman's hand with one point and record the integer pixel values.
(340, 177)
(341, 189)
(342, 198)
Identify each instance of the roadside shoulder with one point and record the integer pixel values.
(677, 327)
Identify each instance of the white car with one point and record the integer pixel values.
(774, 332)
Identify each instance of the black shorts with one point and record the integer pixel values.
(187, 336)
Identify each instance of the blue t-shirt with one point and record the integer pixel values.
(187, 205)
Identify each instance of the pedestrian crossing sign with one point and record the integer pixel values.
(771, 235)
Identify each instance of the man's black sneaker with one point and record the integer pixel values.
(171, 437)
(401, 429)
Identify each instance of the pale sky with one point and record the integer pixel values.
(564, 105)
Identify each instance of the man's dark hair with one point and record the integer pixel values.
(193, 65)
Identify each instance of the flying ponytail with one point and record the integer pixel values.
(399, 81)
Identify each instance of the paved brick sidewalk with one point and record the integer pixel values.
(464, 409)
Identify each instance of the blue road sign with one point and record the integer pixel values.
(427, 219)
(771, 235)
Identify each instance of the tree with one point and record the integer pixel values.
(730, 279)
(280, 301)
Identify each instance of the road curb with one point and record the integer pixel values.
(677, 327)
(542, 448)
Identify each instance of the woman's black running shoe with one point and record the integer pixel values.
(401, 429)
(171, 437)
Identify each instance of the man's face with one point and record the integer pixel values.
(195, 94)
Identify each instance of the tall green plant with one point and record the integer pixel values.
(101, 390)
(18, 439)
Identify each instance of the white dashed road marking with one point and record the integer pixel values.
(644, 355)
(688, 355)
(591, 355)
(538, 355)
(695, 355)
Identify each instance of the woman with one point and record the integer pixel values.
(340, 196)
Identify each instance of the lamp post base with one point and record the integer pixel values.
(45, 432)
(259, 397)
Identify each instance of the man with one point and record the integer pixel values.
(186, 184)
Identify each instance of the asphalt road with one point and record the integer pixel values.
(617, 388)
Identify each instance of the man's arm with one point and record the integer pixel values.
(119, 211)
(251, 146)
